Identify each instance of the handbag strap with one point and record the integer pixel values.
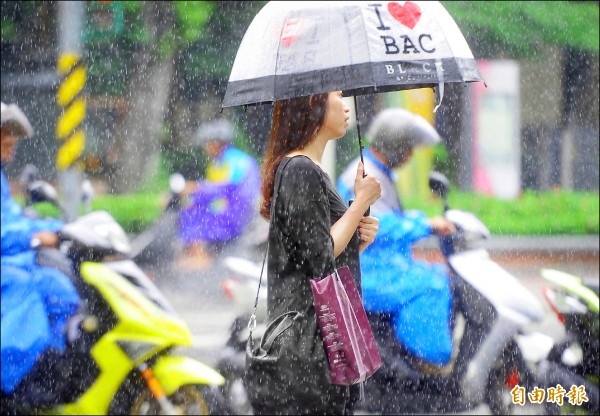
(252, 322)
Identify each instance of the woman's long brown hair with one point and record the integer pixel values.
(295, 123)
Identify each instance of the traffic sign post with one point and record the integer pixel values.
(71, 102)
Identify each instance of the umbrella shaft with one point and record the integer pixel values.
(360, 145)
(360, 149)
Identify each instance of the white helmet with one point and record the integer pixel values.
(395, 131)
(220, 129)
(12, 114)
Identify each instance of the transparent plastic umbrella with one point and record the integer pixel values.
(299, 48)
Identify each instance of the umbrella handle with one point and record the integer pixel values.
(367, 212)
(360, 149)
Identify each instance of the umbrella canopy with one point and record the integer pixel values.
(297, 48)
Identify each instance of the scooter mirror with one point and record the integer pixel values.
(438, 183)
(176, 183)
(29, 175)
(40, 191)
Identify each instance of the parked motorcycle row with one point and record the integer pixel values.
(127, 334)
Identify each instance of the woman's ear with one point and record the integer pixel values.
(310, 101)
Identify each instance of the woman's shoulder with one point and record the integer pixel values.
(302, 179)
(300, 162)
(301, 168)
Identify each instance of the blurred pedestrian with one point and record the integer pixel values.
(36, 301)
(311, 232)
(225, 202)
(416, 293)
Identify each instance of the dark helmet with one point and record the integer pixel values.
(395, 131)
(12, 114)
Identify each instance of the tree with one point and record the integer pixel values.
(204, 64)
(518, 28)
(173, 74)
(167, 26)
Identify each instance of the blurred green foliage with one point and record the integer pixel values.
(193, 15)
(110, 56)
(534, 213)
(442, 162)
(519, 28)
(8, 30)
(134, 212)
(208, 33)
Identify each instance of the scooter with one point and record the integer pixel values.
(492, 350)
(121, 357)
(573, 360)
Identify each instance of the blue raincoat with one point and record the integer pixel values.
(36, 301)
(225, 202)
(416, 293)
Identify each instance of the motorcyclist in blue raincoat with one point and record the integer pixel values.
(226, 201)
(416, 293)
(36, 301)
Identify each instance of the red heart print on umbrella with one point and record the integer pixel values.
(408, 15)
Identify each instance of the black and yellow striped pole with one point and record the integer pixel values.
(70, 98)
(70, 101)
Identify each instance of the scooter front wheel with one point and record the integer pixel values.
(188, 399)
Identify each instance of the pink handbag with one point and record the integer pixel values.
(347, 336)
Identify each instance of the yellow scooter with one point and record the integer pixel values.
(121, 358)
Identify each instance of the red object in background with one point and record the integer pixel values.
(227, 286)
(512, 379)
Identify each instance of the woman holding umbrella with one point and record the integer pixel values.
(312, 231)
(305, 49)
